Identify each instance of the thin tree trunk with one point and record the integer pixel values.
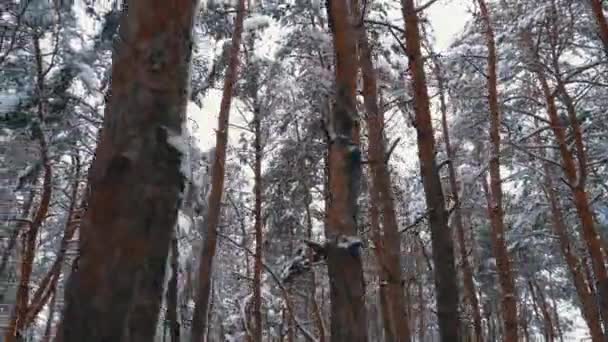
(199, 321)
(446, 284)
(495, 205)
(600, 19)
(48, 284)
(14, 237)
(316, 309)
(135, 180)
(421, 301)
(49, 321)
(17, 323)
(547, 319)
(389, 332)
(174, 326)
(576, 181)
(470, 292)
(390, 263)
(347, 288)
(257, 268)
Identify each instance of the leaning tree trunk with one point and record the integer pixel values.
(600, 19)
(390, 257)
(18, 320)
(575, 179)
(588, 307)
(446, 284)
(135, 181)
(200, 316)
(495, 206)
(348, 316)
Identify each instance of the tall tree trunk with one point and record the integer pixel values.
(374, 217)
(135, 180)
(257, 268)
(390, 262)
(575, 180)
(18, 320)
(316, 310)
(172, 290)
(600, 19)
(495, 205)
(446, 284)
(470, 292)
(348, 316)
(199, 320)
(588, 306)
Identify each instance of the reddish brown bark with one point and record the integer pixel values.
(470, 292)
(29, 249)
(575, 179)
(495, 205)
(598, 12)
(114, 293)
(200, 317)
(446, 284)
(390, 254)
(589, 308)
(48, 284)
(347, 288)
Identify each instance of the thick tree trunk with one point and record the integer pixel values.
(470, 292)
(495, 206)
(598, 12)
(443, 247)
(115, 292)
(347, 288)
(390, 261)
(257, 267)
(199, 321)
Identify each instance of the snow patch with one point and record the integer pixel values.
(256, 22)
(9, 102)
(349, 242)
(88, 77)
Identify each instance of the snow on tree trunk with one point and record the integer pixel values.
(347, 288)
